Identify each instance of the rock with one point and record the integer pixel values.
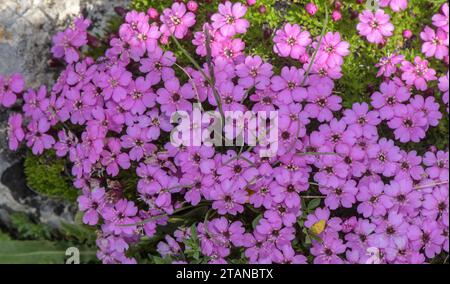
(26, 30)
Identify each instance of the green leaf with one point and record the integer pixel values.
(256, 221)
(38, 252)
(313, 204)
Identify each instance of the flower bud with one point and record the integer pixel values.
(311, 8)
(192, 6)
(407, 34)
(152, 13)
(336, 15)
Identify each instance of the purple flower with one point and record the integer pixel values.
(362, 121)
(429, 107)
(291, 41)
(37, 138)
(409, 124)
(327, 251)
(388, 64)
(120, 217)
(67, 43)
(440, 20)
(332, 50)
(384, 157)
(139, 34)
(375, 26)
(373, 201)
(91, 203)
(321, 103)
(113, 158)
(136, 139)
(228, 198)
(443, 87)
(437, 164)
(427, 235)
(176, 21)
(16, 133)
(140, 96)
(403, 196)
(342, 195)
(417, 74)
(115, 83)
(396, 5)
(33, 103)
(289, 85)
(158, 65)
(173, 98)
(231, 96)
(389, 99)
(237, 169)
(410, 165)
(10, 88)
(229, 19)
(254, 72)
(435, 43)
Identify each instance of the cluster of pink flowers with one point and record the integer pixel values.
(111, 116)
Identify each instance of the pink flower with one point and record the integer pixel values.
(228, 199)
(231, 96)
(291, 41)
(33, 106)
(92, 203)
(176, 21)
(362, 121)
(388, 64)
(229, 21)
(15, 131)
(37, 138)
(289, 85)
(66, 43)
(441, 20)
(332, 50)
(254, 72)
(311, 8)
(396, 5)
(321, 103)
(443, 87)
(120, 214)
(113, 158)
(417, 74)
(158, 66)
(429, 107)
(375, 26)
(140, 96)
(409, 124)
(10, 88)
(115, 83)
(389, 98)
(384, 157)
(435, 43)
(173, 98)
(228, 49)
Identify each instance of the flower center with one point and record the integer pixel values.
(175, 20)
(291, 41)
(291, 85)
(229, 19)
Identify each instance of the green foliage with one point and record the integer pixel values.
(78, 233)
(47, 175)
(38, 252)
(27, 229)
(36, 243)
